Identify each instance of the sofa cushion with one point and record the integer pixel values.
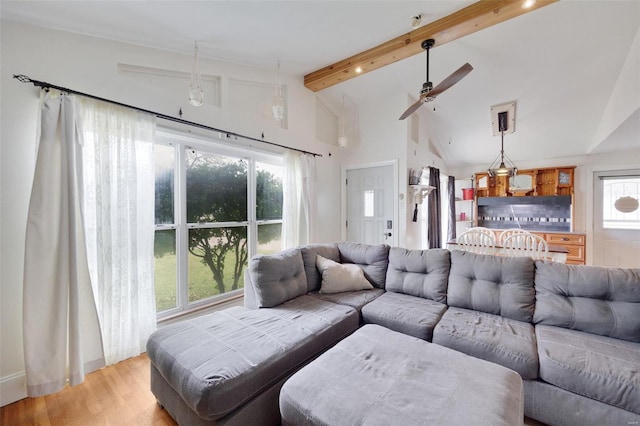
(493, 284)
(410, 315)
(338, 277)
(218, 362)
(597, 367)
(355, 299)
(490, 337)
(598, 300)
(552, 405)
(372, 259)
(309, 254)
(277, 277)
(422, 273)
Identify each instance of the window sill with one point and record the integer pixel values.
(216, 305)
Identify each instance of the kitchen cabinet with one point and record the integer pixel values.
(487, 186)
(573, 242)
(544, 182)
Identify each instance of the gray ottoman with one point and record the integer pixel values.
(381, 377)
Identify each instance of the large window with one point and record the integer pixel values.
(215, 208)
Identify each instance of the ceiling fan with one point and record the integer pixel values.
(428, 92)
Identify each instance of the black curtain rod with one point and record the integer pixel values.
(44, 85)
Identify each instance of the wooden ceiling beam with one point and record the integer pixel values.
(468, 20)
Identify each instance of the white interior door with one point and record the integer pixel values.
(616, 224)
(370, 216)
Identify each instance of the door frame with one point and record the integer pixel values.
(589, 190)
(343, 195)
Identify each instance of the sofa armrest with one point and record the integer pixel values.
(250, 300)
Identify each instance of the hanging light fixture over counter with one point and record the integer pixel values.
(506, 166)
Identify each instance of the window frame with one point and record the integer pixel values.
(181, 142)
(608, 223)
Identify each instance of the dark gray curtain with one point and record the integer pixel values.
(434, 229)
(451, 196)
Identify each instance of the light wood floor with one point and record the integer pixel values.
(115, 395)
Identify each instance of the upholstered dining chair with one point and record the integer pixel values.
(528, 244)
(508, 232)
(477, 240)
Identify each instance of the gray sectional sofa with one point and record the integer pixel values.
(571, 332)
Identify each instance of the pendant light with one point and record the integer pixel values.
(277, 110)
(196, 94)
(502, 169)
(343, 141)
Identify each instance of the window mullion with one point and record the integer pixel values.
(182, 231)
(252, 231)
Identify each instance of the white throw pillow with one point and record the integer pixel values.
(340, 277)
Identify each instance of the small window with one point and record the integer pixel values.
(620, 205)
(369, 203)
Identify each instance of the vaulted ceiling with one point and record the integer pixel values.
(560, 64)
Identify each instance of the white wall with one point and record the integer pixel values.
(382, 138)
(91, 65)
(625, 98)
(419, 156)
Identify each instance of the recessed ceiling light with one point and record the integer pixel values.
(358, 70)
(528, 3)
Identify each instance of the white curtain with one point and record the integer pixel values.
(299, 204)
(60, 323)
(118, 202)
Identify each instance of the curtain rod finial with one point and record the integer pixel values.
(22, 78)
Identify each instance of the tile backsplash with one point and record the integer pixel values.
(530, 213)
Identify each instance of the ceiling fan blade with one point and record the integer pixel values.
(457, 75)
(412, 109)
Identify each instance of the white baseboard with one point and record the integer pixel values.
(13, 388)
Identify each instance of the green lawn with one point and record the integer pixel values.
(201, 284)
(165, 282)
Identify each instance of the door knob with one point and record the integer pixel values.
(387, 234)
